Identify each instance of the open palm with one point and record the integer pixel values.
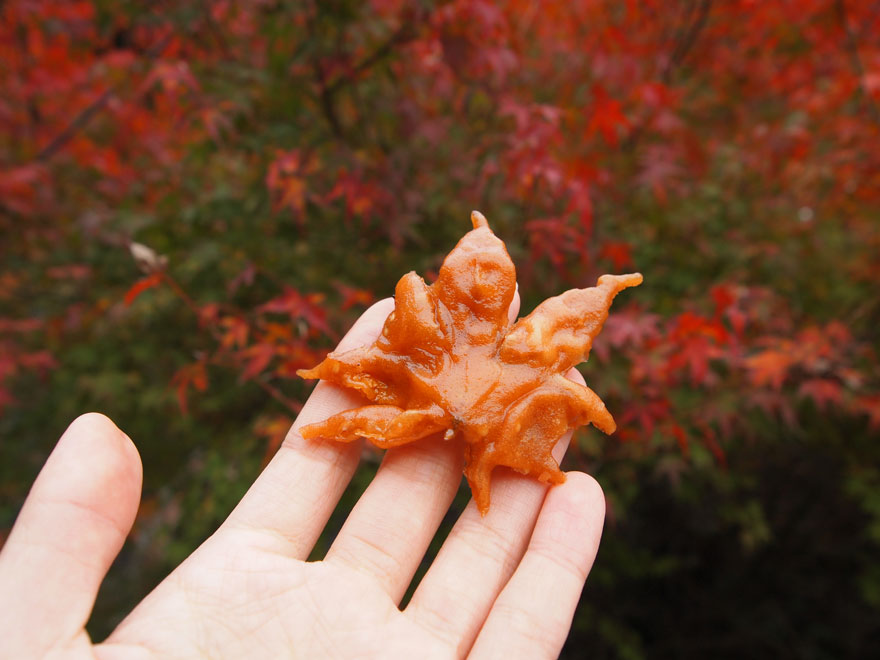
(502, 586)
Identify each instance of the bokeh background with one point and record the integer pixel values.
(198, 198)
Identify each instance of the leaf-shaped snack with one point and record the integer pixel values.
(449, 362)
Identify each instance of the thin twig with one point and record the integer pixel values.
(401, 36)
(684, 45)
(214, 29)
(326, 97)
(327, 90)
(293, 406)
(183, 295)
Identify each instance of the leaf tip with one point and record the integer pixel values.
(621, 282)
(479, 220)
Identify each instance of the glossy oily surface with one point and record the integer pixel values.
(449, 363)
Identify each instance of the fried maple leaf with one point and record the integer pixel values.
(449, 363)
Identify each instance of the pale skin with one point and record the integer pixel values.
(502, 586)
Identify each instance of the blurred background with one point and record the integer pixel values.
(198, 198)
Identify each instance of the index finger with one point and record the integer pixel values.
(291, 501)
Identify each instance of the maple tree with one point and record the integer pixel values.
(280, 164)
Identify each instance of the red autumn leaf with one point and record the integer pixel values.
(295, 356)
(70, 272)
(837, 333)
(581, 204)
(352, 297)
(646, 413)
(286, 182)
(277, 333)
(172, 76)
(215, 120)
(192, 375)
(361, 197)
(41, 361)
(822, 392)
(552, 238)
(20, 325)
(689, 324)
(235, 332)
(606, 116)
(657, 95)
(300, 306)
(142, 285)
(723, 297)
(8, 365)
(660, 171)
(681, 438)
(208, 314)
(738, 320)
(708, 439)
(774, 403)
(258, 358)
(631, 327)
(619, 253)
(695, 353)
(870, 405)
(19, 187)
(769, 367)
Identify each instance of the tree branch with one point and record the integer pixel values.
(402, 35)
(686, 43)
(326, 92)
(293, 406)
(683, 46)
(85, 116)
(325, 95)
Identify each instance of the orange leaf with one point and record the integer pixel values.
(236, 332)
(192, 374)
(259, 356)
(769, 367)
(142, 285)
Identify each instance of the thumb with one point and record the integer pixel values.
(72, 526)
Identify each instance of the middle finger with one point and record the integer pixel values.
(393, 523)
(480, 555)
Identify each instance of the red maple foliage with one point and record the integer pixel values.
(589, 127)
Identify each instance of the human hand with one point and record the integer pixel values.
(504, 586)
